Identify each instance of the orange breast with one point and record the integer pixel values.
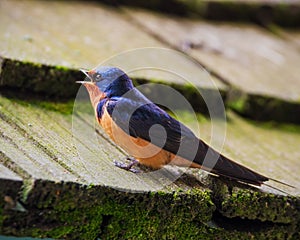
(95, 94)
(146, 153)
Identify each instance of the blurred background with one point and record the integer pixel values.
(250, 48)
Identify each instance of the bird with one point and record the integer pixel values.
(149, 134)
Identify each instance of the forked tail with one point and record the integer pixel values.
(232, 170)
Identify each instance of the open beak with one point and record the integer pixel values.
(86, 72)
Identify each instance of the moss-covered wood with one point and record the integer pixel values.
(64, 194)
(36, 31)
(40, 58)
(283, 13)
(69, 210)
(261, 78)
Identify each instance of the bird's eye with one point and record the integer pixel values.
(98, 77)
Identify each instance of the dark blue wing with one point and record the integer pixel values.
(143, 119)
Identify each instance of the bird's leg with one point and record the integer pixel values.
(129, 166)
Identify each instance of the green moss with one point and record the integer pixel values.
(265, 207)
(193, 94)
(50, 81)
(263, 108)
(26, 188)
(276, 30)
(61, 107)
(271, 125)
(72, 211)
(238, 105)
(1, 214)
(62, 68)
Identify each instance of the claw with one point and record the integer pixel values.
(128, 167)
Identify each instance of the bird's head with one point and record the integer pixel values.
(111, 81)
(106, 82)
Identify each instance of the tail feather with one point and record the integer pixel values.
(277, 189)
(227, 168)
(211, 160)
(282, 183)
(235, 171)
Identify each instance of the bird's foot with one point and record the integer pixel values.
(128, 167)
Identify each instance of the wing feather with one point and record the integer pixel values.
(139, 120)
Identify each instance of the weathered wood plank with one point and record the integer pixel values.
(91, 156)
(6, 173)
(87, 156)
(84, 42)
(22, 151)
(245, 56)
(59, 149)
(46, 142)
(50, 33)
(264, 12)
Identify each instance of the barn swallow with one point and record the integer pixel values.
(149, 134)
